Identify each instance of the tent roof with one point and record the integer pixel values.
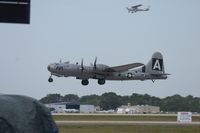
(25, 115)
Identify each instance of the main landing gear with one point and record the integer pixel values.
(101, 81)
(86, 82)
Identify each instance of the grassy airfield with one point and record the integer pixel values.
(128, 129)
(77, 117)
(125, 128)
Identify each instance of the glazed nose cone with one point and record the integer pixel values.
(49, 67)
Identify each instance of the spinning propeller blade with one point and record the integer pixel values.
(82, 67)
(95, 63)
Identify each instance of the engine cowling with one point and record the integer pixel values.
(101, 67)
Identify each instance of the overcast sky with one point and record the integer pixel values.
(75, 29)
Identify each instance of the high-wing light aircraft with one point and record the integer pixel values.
(134, 9)
(136, 71)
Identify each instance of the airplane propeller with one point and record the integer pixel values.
(95, 63)
(82, 67)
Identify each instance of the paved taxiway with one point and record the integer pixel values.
(125, 123)
(119, 114)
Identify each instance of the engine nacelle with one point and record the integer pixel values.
(101, 67)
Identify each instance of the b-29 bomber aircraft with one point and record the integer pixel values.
(153, 70)
(134, 9)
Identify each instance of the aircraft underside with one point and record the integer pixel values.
(102, 80)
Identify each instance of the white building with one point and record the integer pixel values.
(68, 107)
(56, 107)
(87, 109)
(138, 109)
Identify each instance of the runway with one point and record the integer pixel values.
(124, 123)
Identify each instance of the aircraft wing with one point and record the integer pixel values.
(123, 67)
(136, 6)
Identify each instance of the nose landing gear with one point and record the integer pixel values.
(50, 79)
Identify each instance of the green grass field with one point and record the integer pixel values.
(128, 129)
(103, 128)
(118, 118)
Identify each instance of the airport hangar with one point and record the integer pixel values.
(71, 107)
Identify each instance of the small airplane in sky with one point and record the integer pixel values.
(134, 9)
(154, 70)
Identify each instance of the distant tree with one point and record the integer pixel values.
(124, 100)
(109, 101)
(195, 105)
(138, 99)
(173, 103)
(70, 98)
(91, 99)
(52, 98)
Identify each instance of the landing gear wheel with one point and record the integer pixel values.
(101, 81)
(50, 79)
(85, 82)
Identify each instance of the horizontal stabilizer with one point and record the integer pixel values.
(136, 6)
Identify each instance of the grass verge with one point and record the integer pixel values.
(118, 118)
(129, 129)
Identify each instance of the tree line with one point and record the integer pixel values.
(111, 100)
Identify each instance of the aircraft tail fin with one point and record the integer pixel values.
(156, 65)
